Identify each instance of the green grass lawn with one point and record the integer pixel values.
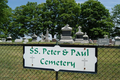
(11, 66)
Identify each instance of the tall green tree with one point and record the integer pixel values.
(54, 14)
(44, 17)
(60, 13)
(6, 27)
(3, 11)
(52, 8)
(69, 12)
(116, 19)
(27, 19)
(19, 21)
(32, 15)
(5, 18)
(95, 19)
(41, 11)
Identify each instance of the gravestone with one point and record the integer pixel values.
(117, 40)
(25, 41)
(18, 40)
(103, 41)
(34, 38)
(54, 40)
(66, 35)
(110, 42)
(79, 36)
(47, 36)
(113, 42)
(0, 40)
(24, 38)
(90, 41)
(3, 39)
(85, 37)
(105, 36)
(42, 38)
(9, 38)
(95, 41)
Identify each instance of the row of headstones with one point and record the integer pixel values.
(9, 39)
(34, 38)
(107, 41)
(83, 38)
(66, 38)
(25, 40)
(104, 41)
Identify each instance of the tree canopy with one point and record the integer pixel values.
(95, 19)
(3, 11)
(60, 13)
(5, 18)
(27, 19)
(116, 19)
(6, 27)
(54, 14)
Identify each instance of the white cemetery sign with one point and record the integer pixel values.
(61, 58)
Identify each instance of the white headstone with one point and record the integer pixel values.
(117, 40)
(24, 38)
(66, 35)
(85, 37)
(79, 36)
(90, 41)
(3, 39)
(106, 36)
(42, 38)
(34, 38)
(18, 40)
(47, 36)
(103, 41)
(25, 41)
(9, 38)
(0, 40)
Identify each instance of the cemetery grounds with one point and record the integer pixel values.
(11, 66)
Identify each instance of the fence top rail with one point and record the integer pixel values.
(72, 45)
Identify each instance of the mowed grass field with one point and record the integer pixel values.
(11, 66)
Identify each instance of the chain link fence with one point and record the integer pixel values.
(11, 66)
